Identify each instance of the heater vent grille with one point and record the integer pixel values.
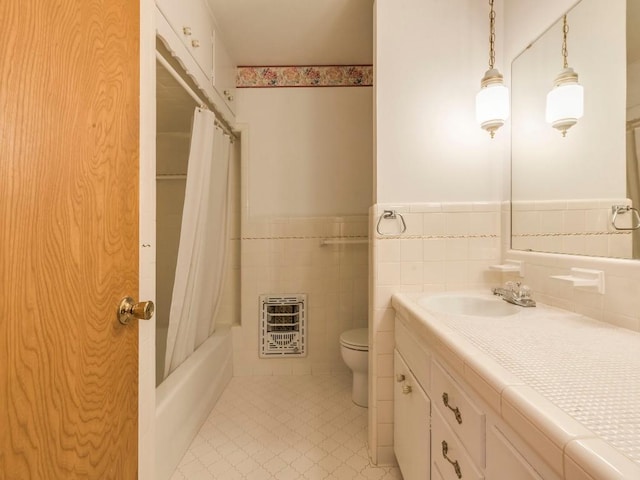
(283, 330)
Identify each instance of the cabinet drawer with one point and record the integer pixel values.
(417, 358)
(448, 454)
(460, 413)
(411, 410)
(504, 462)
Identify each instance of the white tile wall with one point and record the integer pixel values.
(447, 246)
(580, 227)
(619, 305)
(284, 255)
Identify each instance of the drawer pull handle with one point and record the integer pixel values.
(399, 378)
(456, 411)
(406, 389)
(456, 465)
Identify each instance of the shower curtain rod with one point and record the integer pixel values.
(202, 102)
(633, 123)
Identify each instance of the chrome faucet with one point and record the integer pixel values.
(516, 293)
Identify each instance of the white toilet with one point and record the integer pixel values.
(354, 347)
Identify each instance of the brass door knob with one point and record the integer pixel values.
(128, 309)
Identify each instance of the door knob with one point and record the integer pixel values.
(128, 309)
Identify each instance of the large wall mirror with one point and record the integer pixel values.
(564, 189)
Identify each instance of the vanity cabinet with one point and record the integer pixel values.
(466, 440)
(504, 462)
(411, 410)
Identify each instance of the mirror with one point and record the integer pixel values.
(564, 188)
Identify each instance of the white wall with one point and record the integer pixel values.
(309, 149)
(306, 175)
(430, 57)
(435, 165)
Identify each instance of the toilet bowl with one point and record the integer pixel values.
(354, 348)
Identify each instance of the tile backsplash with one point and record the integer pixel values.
(620, 303)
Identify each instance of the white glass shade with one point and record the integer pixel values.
(492, 106)
(565, 105)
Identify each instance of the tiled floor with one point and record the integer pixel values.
(284, 428)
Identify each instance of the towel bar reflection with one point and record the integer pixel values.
(622, 209)
(390, 215)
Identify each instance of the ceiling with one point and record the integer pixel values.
(296, 32)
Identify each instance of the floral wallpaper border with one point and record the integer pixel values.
(305, 76)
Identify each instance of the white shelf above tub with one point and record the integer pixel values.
(514, 266)
(584, 278)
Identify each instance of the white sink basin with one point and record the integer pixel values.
(465, 304)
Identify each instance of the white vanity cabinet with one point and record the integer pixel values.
(504, 462)
(411, 411)
(411, 407)
(467, 439)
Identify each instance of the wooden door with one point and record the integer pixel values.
(69, 136)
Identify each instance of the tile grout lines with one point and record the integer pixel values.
(284, 428)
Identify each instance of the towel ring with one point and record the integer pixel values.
(616, 209)
(390, 215)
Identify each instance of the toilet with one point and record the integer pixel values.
(354, 348)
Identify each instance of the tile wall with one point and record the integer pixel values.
(284, 255)
(579, 227)
(446, 246)
(620, 303)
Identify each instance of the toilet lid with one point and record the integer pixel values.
(357, 339)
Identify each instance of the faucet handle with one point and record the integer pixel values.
(525, 291)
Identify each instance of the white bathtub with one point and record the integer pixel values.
(187, 396)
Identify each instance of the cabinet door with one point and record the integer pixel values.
(411, 435)
(224, 80)
(504, 462)
(193, 25)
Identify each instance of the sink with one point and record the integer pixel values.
(467, 304)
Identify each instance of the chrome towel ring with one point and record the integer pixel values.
(390, 215)
(617, 209)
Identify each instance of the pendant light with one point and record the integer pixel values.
(565, 102)
(492, 101)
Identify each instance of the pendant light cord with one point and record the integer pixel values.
(492, 36)
(565, 52)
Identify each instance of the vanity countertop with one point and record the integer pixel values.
(569, 385)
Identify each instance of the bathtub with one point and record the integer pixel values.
(187, 396)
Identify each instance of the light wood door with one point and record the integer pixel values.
(69, 135)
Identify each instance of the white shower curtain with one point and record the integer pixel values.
(203, 241)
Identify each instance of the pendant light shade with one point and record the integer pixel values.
(492, 101)
(565, 102)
